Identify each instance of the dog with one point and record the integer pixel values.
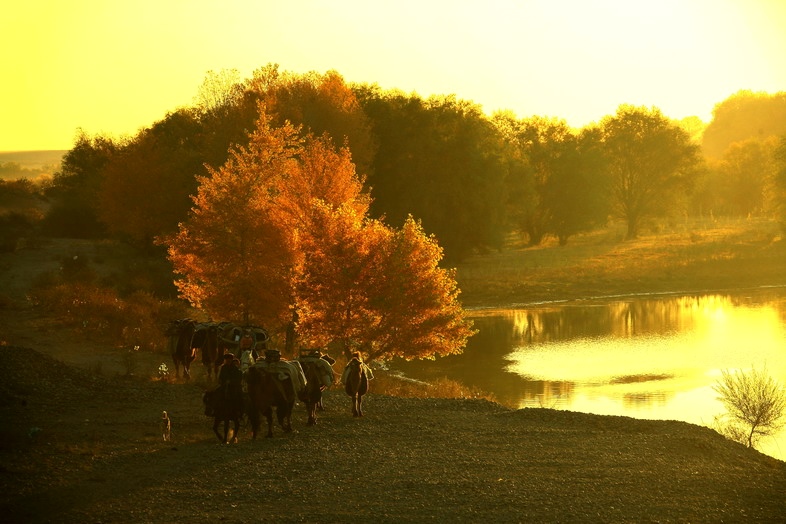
(166, 426)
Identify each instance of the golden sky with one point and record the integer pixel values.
(113, 67)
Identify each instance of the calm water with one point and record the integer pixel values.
(654, 357)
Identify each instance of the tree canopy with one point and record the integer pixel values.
(744, 115)
(442, 161)
(279, 236)
(649, 160)
(468, 179)
(564, 178)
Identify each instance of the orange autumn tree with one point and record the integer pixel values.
(232, 254)
(381, 289)
(417, 305)
(324, 176)
(335, 276)
(280, 236)
(236, 253)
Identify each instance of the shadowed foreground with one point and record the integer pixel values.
(77, 447)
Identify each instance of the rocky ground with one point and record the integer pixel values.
(80, 442)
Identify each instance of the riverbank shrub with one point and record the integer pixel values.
(755, 404)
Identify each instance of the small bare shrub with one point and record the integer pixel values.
(755, 405)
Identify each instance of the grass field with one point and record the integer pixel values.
(691, 256)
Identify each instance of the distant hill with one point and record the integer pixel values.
(33, 160)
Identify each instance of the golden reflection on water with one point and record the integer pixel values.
(655, 359)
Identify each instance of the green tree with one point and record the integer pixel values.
(565, 177)
(146, 186)
(520, 184)
(744, 115)
(755, 400)
(779, 183)
(649, 160)
(219, 91)
(745, 175)
(442, 161)
(75, 188)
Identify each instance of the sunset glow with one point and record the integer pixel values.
(112, 67)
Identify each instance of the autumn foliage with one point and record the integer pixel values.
(280, 236)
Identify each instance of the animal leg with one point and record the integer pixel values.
(355, 411)
(269, 416)
(253, 418)
(236, 430)
(216, 421)
(226, 431)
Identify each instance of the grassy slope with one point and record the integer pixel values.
(715, 255)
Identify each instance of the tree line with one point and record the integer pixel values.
(275, 178)
(470, 179)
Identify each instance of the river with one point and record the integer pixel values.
(648, 357)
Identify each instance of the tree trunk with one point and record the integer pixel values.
(633, 228)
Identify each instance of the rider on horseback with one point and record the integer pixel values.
(230, 378)
(247, 351)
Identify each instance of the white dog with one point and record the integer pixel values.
(166, 426)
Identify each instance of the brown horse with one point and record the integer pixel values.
(223, 408)
(355, 379)
(266, 391)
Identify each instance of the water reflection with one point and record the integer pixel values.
(654, 357)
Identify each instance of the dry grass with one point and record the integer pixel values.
(696, 255)
(398, 386)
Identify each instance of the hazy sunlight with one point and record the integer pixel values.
(112, 67)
